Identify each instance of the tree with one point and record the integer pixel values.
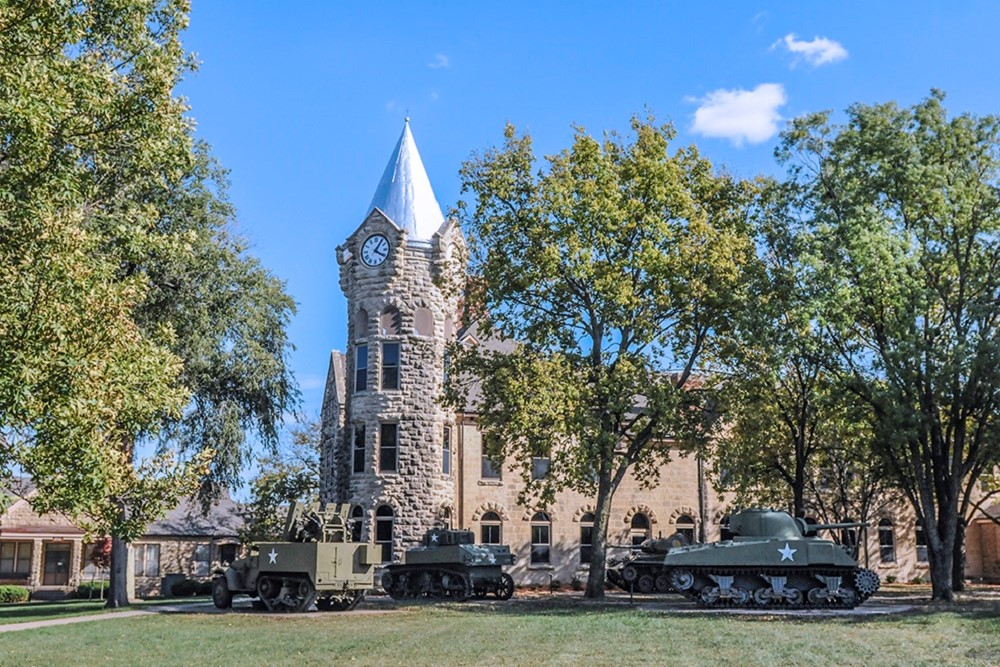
(291, 475)
(906, 209)
(128, 309)
(613, 270)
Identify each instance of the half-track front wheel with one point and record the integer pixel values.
(506, 588)
(222, 597)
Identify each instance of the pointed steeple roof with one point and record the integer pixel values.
(404, 194)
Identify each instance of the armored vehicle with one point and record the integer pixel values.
(772, 559)
(318, 563)
(450, 566)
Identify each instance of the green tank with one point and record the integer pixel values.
(772, 559)
(450, 566)
(318, 563)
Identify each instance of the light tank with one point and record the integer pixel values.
(318, 563)
(772, 559)
(450, 566)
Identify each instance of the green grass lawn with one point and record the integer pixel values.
(555, 631)
(23, 612)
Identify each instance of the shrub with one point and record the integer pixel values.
(576, 583)
(890, 579)
(14, 594)
(918, 580)
(555, 585)
(92, 589)
(184, 587)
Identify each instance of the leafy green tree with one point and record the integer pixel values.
(128, 310)
(614, 270)
(905, 205)
(290, 475)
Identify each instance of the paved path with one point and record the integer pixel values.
(125, 613)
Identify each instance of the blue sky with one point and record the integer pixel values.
(304, 101)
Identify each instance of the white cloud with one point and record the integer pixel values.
(740, 115)
(440, 60)
(820, 51)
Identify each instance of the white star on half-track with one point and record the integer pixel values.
(786, 553)
(272, 556)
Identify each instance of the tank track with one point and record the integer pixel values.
(776, 587)
(439, 583)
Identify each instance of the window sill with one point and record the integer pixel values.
(491, 482)
(541, 566)
(888, 564)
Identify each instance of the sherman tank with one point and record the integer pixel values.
(450, 566)
(772, 559)
(318, 563)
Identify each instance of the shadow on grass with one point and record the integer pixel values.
(31, 611)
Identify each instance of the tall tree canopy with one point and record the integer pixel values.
(905, 206)
(614, 270)
(126, 303)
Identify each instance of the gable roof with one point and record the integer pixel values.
(224, 519)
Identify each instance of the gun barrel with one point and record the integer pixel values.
(835, 526)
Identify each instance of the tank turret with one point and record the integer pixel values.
(772, 559)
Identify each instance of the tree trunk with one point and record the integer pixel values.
(958, 559)
(599, 554)
(118, 591)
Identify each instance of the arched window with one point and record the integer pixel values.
(423, 322)
(384, 518)
(886, 541)
(685, 526)
(361, 324)
(389, 323)
(491, 528)
(541, 538)
(357, 521)
(640, 531)
(921, 540)
(586, 538)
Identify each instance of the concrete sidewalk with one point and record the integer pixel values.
(124, 613)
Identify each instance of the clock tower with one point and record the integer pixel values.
(387, 442)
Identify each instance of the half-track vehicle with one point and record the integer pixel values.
(450, 566)
(318, 563)
(772, 559)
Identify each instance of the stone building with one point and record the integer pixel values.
(405, 464)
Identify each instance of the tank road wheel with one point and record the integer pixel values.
(391, 586)
(681, 580)
(763, 596)
(630, 573)
(740, 596)
(848, 597)
(709, 594)
(663, 583)
(506, 587)
(222, 597)
(646, 583)
(793, 597)
(480, 593)
(816, 596)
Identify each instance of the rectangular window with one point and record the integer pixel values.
(539, 467)
(490, 470)
(586, 543)
(921, 545)
(446, 451)
(388, 448)
(15, 557)
(227, 553)
(390, 365)
(490, 533)
(359, 448)
(539, 543)
(361, 368)
(202, 563)
(147, 560)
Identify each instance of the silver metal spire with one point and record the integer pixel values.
(404, 194)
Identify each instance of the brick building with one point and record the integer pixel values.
(50, 555)
(405, 464)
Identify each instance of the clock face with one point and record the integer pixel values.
(375, 250)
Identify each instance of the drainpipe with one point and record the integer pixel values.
(702, 507)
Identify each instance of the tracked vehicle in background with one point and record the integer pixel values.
(772, 560)
(318, 563)
(450, 566)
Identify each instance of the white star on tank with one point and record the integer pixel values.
(273, 556)
(786, 553)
